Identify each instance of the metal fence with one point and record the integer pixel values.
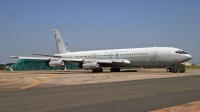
(28, 64)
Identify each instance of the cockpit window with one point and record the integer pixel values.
(180, 52)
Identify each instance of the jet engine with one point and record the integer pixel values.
(55, 63)
(92, 65)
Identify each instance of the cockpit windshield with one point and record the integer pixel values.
(180, 52)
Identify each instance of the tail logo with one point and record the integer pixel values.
(59, 40)
(61, 47)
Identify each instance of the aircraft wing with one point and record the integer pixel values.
(81, 60)
(48, 58)
(35, 58)
(48, 55)
(100, 61)
(74, 60)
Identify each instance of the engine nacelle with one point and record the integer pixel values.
(88, 60)
(92, 65)
(56, 63)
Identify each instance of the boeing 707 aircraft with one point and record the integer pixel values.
(114, 58)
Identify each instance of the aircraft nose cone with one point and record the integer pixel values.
(189, 57)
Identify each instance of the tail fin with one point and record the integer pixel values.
(61, 47)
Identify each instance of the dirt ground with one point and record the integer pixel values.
(26, 79)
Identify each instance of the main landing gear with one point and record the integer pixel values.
(97, 70)
(114, 69)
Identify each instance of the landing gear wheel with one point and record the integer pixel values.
(117, 69)
(114, 69)
(97, 70)
(94, 70)
(100, 69)
(111, 70)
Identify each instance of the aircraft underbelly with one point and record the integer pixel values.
(113, 65)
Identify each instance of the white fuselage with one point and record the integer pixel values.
(151, 56)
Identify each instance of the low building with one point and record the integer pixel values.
(187, 64)
(28, 64)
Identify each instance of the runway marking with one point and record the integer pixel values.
(36, 83)
(188, 107)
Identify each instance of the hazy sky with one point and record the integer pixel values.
(26, 25)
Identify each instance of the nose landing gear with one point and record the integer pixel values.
(97, 70)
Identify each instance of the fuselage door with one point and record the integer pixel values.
(155, 55)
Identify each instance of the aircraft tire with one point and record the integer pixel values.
(114, 69)
(100, 69)
(117, 69)
(111, 70)
(94, 70)
(97, 70)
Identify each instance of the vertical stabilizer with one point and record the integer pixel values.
(61, 47)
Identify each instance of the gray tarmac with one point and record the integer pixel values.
(100, 93)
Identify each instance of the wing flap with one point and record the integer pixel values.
(73, 60)
(48, 55)
(123, 61)
(108, 61)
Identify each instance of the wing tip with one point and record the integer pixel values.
(13, 56)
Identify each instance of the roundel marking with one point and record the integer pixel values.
(59, 40)
(153, 61)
